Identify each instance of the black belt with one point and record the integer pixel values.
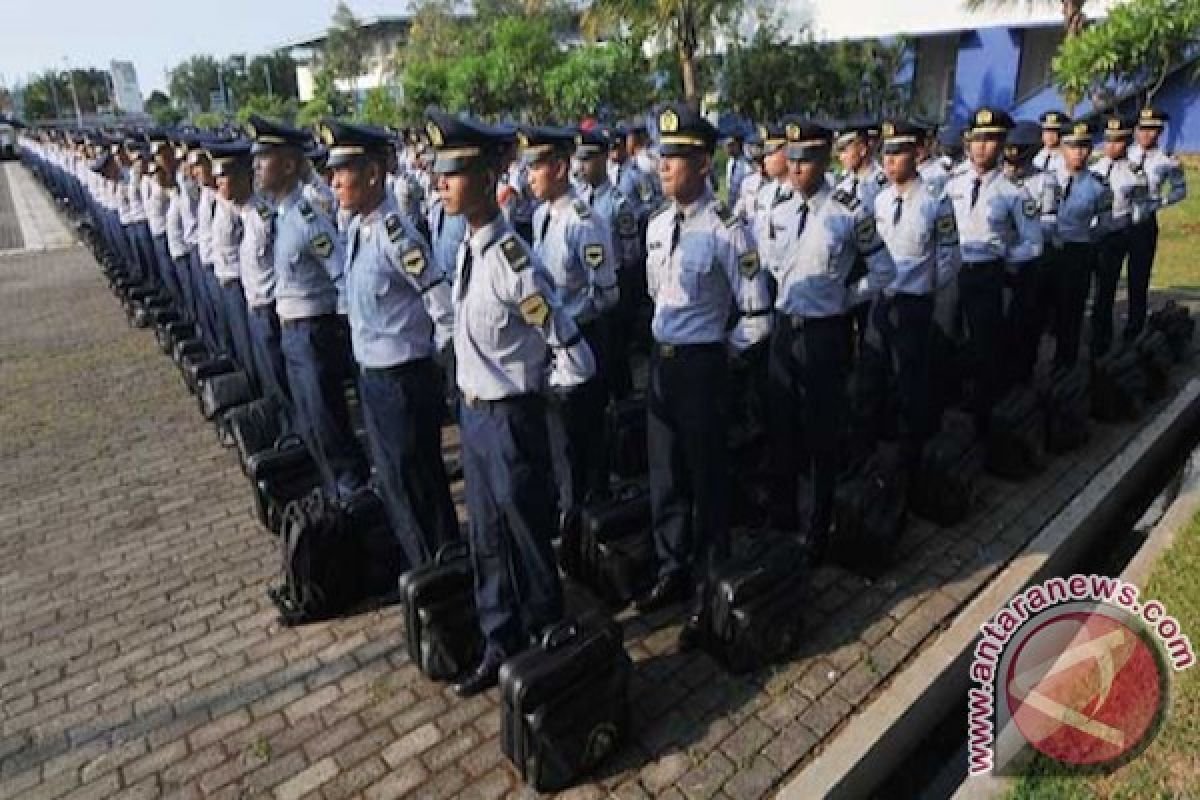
(799, 322)
(480, 404)
(677, 350)
(398, 370)
(296, 323)
(225, 284)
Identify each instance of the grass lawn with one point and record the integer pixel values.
(1170, 766)
(1177, 265)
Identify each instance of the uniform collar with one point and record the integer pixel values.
(380, 211)
(696, 207)
(486, 236)
(562, 203)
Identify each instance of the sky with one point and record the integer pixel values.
(157, 34)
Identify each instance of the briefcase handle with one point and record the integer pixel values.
(558, 634)
(451, 550)
(288, 439)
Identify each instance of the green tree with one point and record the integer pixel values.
(380, 108)
(425, 84)
(193, 82)
(596, 79)
(1137, 45)
(208, 119)
(326, 101)
(273, 73)
(344, 44)
(682, 26)
(1074, 20)
(271, 106)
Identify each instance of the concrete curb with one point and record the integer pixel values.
(41, 227)
(876, 741)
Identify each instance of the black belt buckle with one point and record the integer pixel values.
(666, 350)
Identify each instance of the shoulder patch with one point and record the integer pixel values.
(534, 310)
(306, 211)
(846, 199)
(582, 209)
(413, 261)
(513, 253)
(748, 264)
(947, 230)
(264, 211)
(322, 245)
(626, 224)
(864, 232)
(394, 228)
(1029, 207)
(593, 255)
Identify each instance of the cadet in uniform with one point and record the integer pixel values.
(1130, 192)
(607, 203)
(998, 225)
(1166, 185)
(512, 344)
(1025, 318)
(736, 169)
(1050, 157)
(745, 205)
(202, 171)
(156, 183)
(700, 267)
(817, 292)
(234, 173)
(400, 315)
(916, 223)
(179, 192)
(863, 179)
(1084, 216)
(575, 248)
(933, 171)
(309, 283)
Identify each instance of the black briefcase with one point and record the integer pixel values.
(616, 556)
(441, 628)
(1067, 402)
(755, 602)
(255, 428)
(627, 437)
(1154, 353)
(223, 392)
(171, 332)
(187, 347)
(945, 486)
(1176, 323)
(279, 476)
(870, 510)
(202, 367)
(565, 702)
(1016, 436)
(1118, 386)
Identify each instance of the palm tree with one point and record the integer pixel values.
(1074, 20)
(682, 25)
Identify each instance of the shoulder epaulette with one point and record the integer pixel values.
(727, 216)
(514, 255)
(846, 199)
(581, 208)
(264, 210)
(660, 209)
(394, 228)
(306, 211)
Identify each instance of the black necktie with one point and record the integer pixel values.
(896, 211)
(975, 191)
(545, 227)
(441, 219)
(1067, 188)
(464, 274)
(675, 233)
(802, 220)
(591, 196)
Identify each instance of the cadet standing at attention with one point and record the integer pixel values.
(234, 173)
(1050, 157)
(574, 246)
(309, 280)
(1130, 193)
(512, 343)
(1166, 184)
(817, 293)
(998, 224)
(400, 313)
(701, 268)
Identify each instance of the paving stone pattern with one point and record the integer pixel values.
(139, 656)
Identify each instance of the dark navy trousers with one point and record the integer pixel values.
(403, 408)
(981, 295)
(267, 350)
(1143, 244)
(237, 329)
(318, 362)
(510, 506)
(1114, 249)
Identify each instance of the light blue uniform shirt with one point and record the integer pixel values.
(309, 257)
(923, 240)
(258, 251)
(1129, 188)
(575, 248)
(227, 241)
(398, 299)
(865, 184)
(1164, 177)
(832, 229)
(1045, 190)
(611, 206)
(1003, 224)
(511, 337)
(448, 232)
(1085, 210)
(934, 173)
(176, 244)
(700, 266)
(205, 210)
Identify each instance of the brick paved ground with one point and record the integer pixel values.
(139, 656)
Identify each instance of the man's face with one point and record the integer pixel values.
(985, 152)
(165, 159)
(1050, 139)
(202, 172)
(616, 153)
(464, 192)
(733, 148)
(274, 169)
(807, 174)
(1076, 156)
(853, 155)
(900, 167)
(1116, 149)
(352, 185)
(683, 176)
(593, 169)
(234, 186)
(547, 177)
(1147, 138)
(775, 165)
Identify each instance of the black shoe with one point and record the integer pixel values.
(691, 636)
(669, 590)
(485, 676)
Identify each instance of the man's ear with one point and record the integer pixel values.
(704, 163)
